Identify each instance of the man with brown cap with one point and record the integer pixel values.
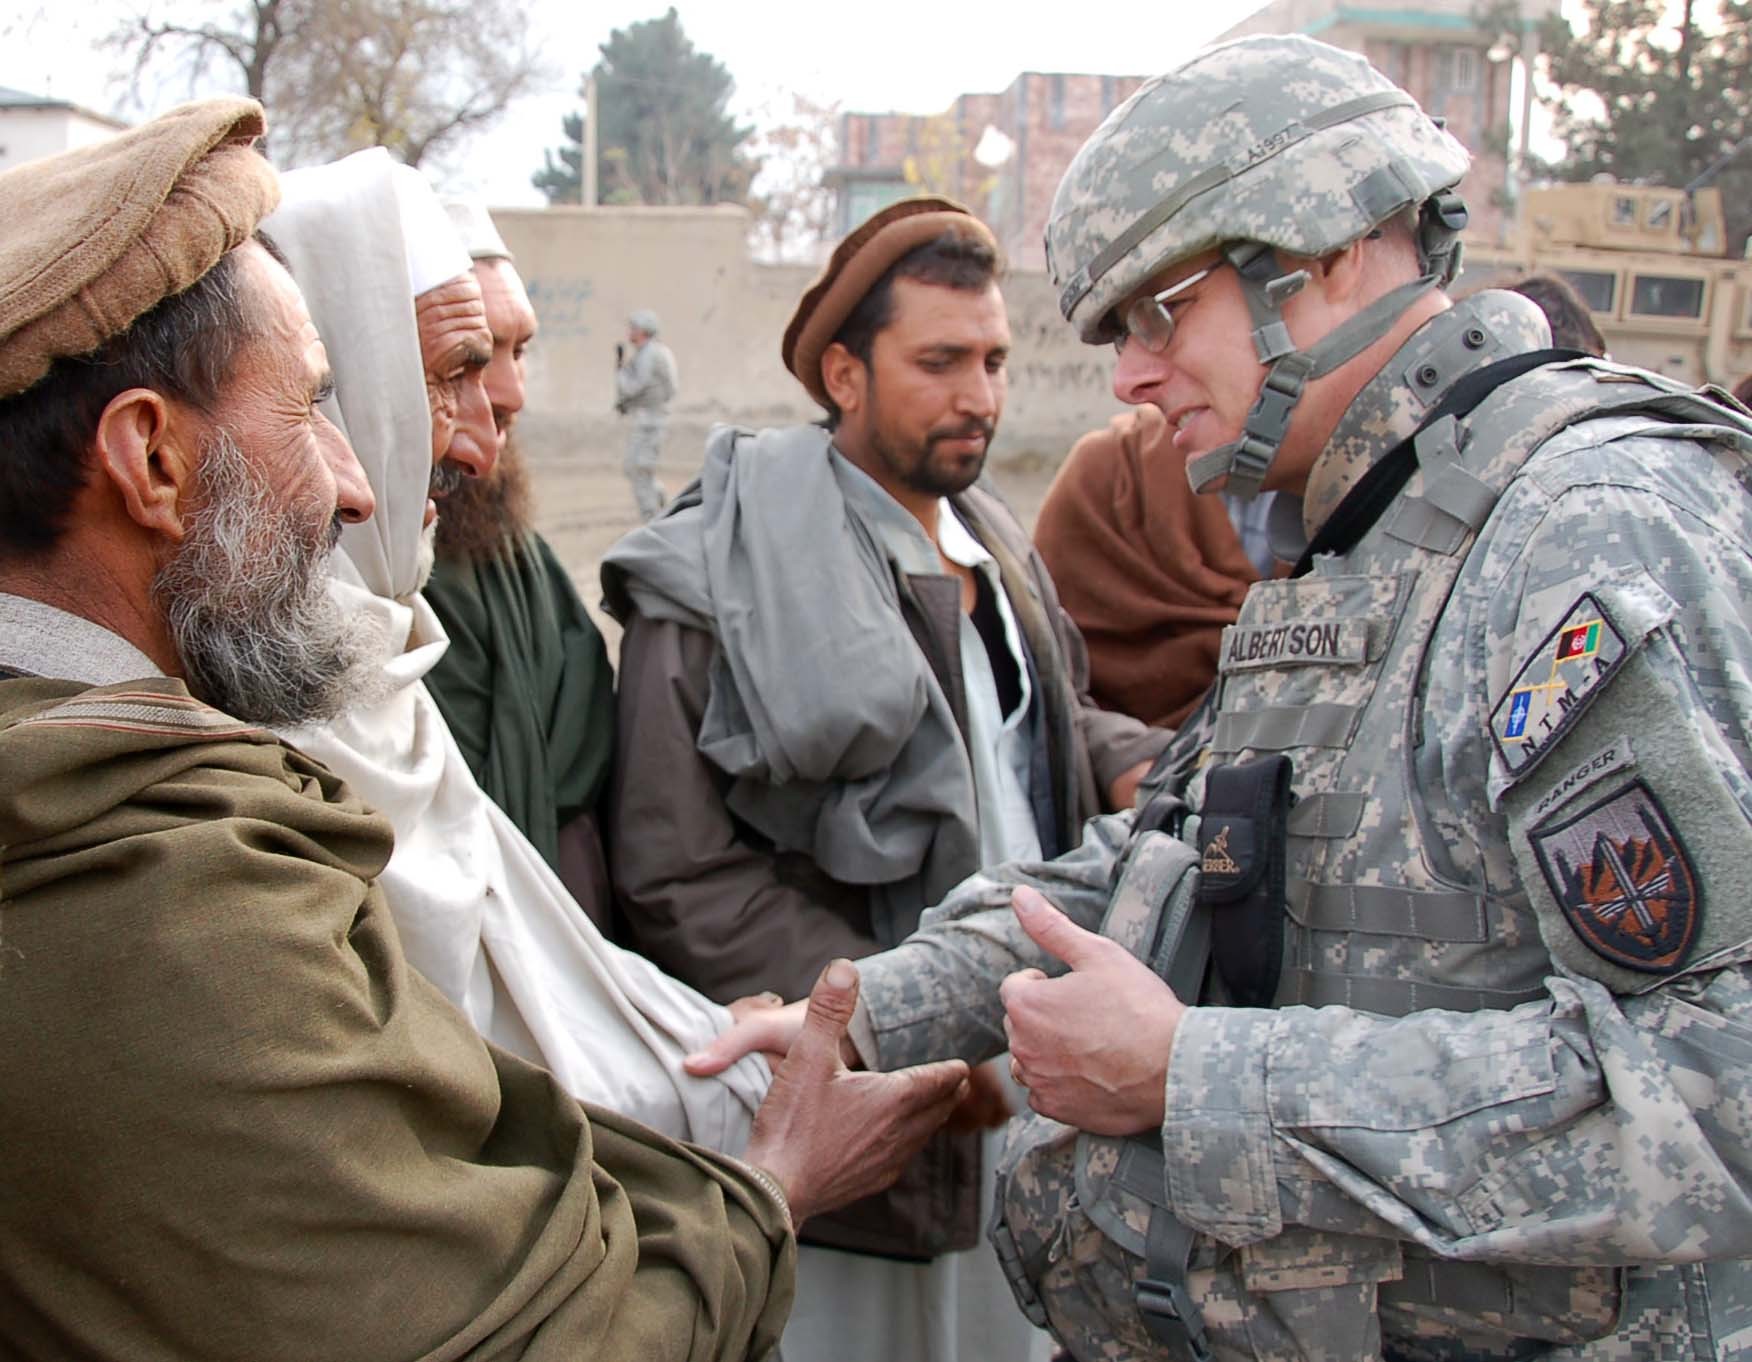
(852, 671)
(237, 1123)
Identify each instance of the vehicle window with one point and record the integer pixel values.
(1599, 288)
(1666, 295)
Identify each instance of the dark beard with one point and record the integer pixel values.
(916, 469)
(484, 517)
(245, 597)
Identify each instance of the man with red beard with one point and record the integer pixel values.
(846, 684)
(525, 685)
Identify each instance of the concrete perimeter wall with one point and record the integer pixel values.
(724, 315)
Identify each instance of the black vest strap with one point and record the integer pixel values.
(1374, 493)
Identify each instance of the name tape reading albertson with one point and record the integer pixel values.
(1344, 642)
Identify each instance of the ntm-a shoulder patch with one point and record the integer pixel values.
(1551, 686)
(1624, 880)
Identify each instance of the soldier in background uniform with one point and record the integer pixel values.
(1465, 817)
(645, 382)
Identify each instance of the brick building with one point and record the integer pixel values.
(1436, 51)
(1027, 135)
(1024, 137)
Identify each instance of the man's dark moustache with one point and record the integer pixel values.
(978, 430)
(447, 476)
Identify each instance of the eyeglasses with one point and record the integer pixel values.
(1149, 320)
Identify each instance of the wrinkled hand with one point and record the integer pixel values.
(830, 1135)
(1091, 1046)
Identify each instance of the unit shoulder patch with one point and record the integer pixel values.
(1624, 880)
(1552, 686)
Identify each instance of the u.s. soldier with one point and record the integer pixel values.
(1465, 816)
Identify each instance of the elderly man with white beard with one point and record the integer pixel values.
(237, 1123)
(481, 914)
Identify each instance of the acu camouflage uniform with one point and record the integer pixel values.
(1501, 1104)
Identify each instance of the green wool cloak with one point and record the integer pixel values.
(237, 1124)
(525, 686)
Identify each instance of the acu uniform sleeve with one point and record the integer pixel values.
(1606, 1124)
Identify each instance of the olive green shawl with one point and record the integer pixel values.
(238, 1125)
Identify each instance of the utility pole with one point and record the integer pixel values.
(587, 182)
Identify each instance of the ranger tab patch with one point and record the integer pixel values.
(1547, 694)
(1623, 879)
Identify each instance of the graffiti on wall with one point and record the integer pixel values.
(560, 304)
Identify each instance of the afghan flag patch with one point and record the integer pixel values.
(1623, 879)
(1553, 682)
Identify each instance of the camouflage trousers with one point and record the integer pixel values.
(644, 448)
(1309, 1296)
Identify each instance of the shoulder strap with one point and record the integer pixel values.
(1363, 504)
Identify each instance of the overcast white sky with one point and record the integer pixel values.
(911, 55)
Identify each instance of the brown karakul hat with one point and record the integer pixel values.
(853, 269)
(92, 239)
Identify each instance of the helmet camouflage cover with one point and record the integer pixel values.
(1276, 139)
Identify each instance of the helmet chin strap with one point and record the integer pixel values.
(1245, 462)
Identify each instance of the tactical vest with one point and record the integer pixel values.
(1384, 908)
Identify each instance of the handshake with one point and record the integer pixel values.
(830, 1134)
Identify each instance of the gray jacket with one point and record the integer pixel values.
(717, 902)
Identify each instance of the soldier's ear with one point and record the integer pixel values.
(846, 378)
(1342, 275)
(149, 451)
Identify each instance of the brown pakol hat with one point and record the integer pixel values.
(92, 239)
(853, 269)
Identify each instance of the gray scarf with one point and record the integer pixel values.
(840, 742)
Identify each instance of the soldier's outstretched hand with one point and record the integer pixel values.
(831, 1135)
(1091, 1046)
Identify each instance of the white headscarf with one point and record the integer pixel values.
(479, 911)
(474, 224)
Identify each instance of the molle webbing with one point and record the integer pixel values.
(1280, 729)
(1392, 997)
(1383, 910)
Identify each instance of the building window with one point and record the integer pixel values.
(1463, 69)
(1598, 288)
(1055, 103)
(865, 198)
(1395, 63)
(1456, 70)
(1666, 295)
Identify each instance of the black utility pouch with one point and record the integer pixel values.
(1243, 831)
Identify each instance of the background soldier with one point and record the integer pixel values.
(1472, 1045)
(645, 382)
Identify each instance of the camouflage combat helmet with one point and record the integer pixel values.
(1265, 142)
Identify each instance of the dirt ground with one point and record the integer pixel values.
(583, 505)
